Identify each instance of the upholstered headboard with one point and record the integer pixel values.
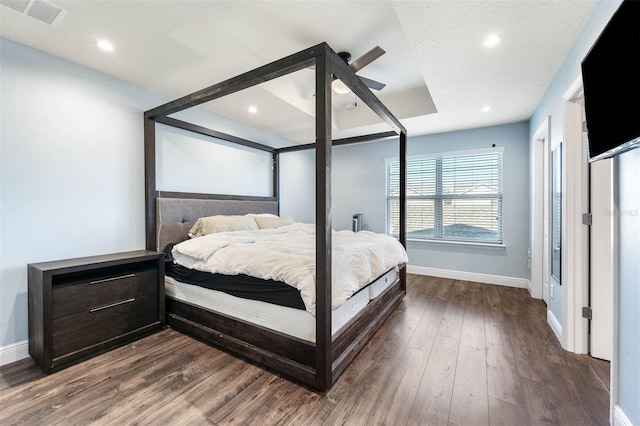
(176, 216)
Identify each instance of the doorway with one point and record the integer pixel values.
(575, 230)
(542, 285)
(555, 196)
(589, 235)
(539, 251)
(546, 226)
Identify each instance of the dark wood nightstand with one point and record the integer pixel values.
(81, 307)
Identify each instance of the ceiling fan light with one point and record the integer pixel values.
(339, 87)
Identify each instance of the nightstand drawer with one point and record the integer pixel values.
(84, 291)
(102, 323)
(82, 307)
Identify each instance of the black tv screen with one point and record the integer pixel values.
(611, 81)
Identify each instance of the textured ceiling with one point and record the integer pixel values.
(434, 61)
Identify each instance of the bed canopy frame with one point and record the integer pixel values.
(329, 356)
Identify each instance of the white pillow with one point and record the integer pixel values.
(221, 223)
(268, 222)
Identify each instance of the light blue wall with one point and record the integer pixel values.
(297, 185)
(629, 285)
(72, 168)
(358, 186)
(72, 175)
(510, 261)
(187, 162)
(552, 102)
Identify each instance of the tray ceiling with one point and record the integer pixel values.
(438, 73)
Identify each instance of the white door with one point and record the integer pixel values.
(601, 258)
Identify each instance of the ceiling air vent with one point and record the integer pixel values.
(18, 5)
(41, 10)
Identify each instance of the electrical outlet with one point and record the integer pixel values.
(551, 290)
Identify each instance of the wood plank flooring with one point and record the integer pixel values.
(453, 353)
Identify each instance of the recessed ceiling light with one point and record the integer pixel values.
(105, 45)
(253, 109)
(486, 108)
(492, 41)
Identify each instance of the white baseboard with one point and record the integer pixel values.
(555, 325)
(620, 418)
(14, 352)
(469, 276)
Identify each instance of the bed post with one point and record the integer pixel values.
(323, 222)
(403, 202)
(276, 177)
(150, 182)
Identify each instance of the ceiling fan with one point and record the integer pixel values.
(356, 66)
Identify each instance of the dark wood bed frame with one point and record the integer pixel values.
(314, 365)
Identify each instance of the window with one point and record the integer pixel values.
(454, 196)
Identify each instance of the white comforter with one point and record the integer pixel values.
(287, 254)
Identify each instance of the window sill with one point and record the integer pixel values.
(458, 243)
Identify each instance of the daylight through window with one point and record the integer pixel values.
(453, 196)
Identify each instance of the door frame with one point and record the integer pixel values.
(575, 234)
(539, 254)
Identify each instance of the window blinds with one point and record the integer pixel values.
(452, 196)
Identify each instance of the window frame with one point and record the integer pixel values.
(439, 197)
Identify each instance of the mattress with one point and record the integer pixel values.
(290, 321)
(287, 254)
(242, 286)
(381, 284)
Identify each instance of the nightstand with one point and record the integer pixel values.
(81, 307)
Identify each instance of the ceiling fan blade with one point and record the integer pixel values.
(372, 84)
(366, 59)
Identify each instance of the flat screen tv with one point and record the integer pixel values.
(611, 81)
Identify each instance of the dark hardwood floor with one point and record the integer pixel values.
(453, 353)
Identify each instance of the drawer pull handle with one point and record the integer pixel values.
(111, 305)
(121, 277)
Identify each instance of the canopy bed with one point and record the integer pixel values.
(319, 350)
